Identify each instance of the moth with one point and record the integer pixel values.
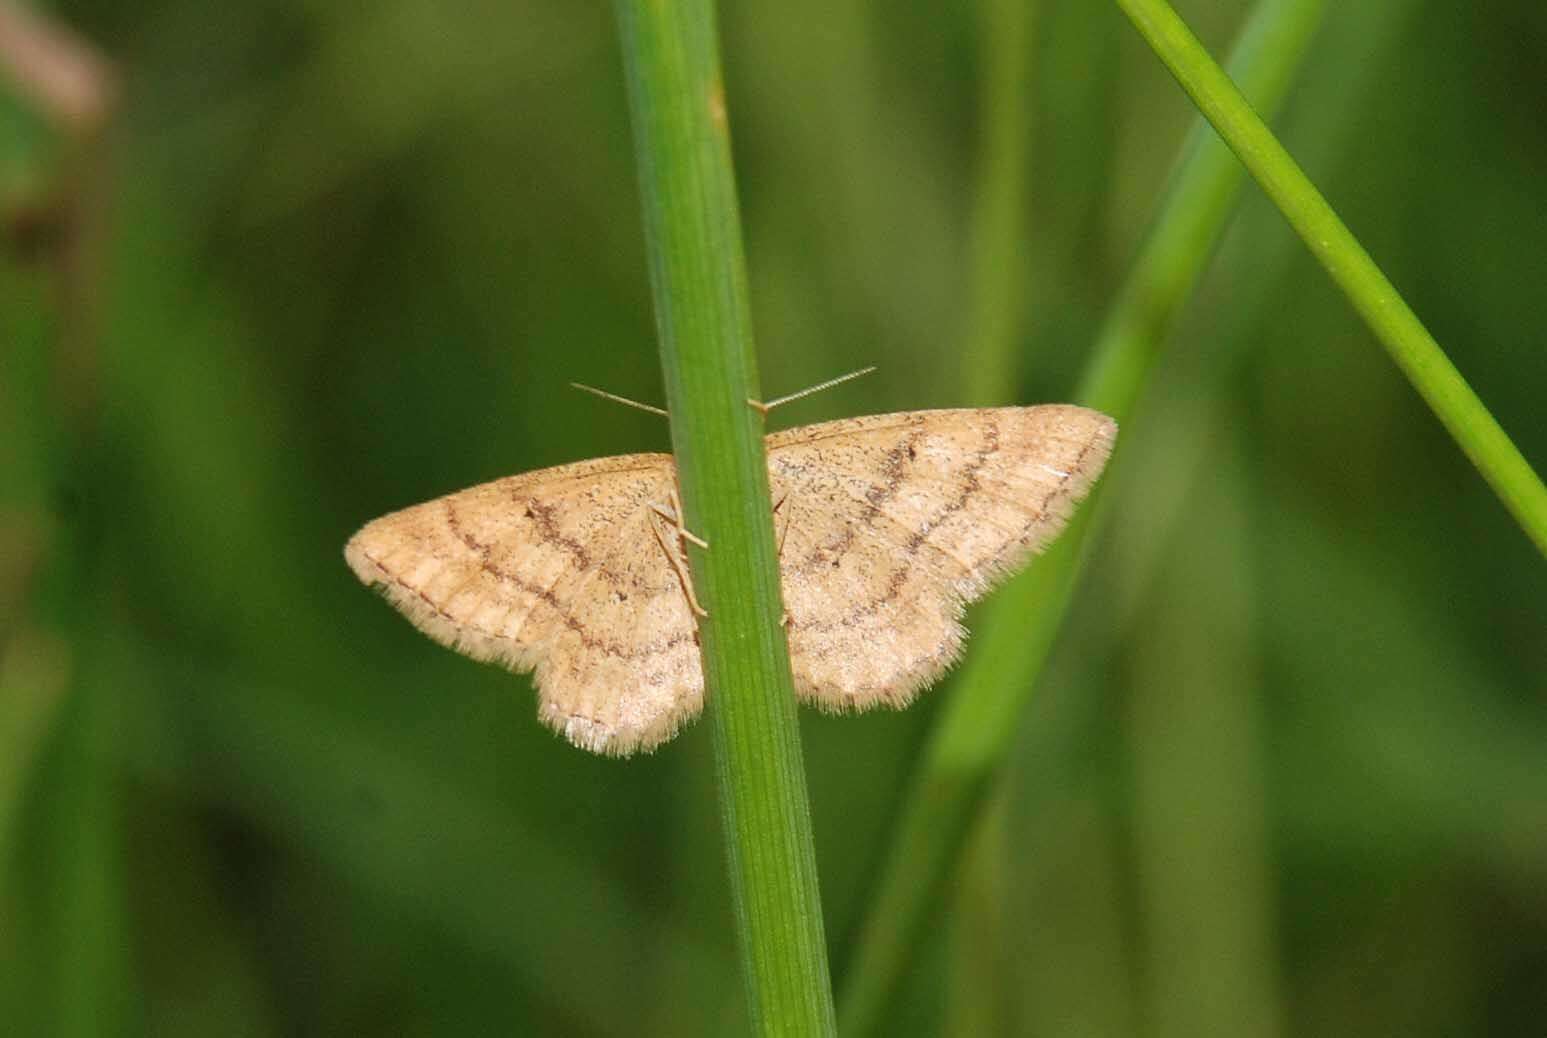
(889, 525)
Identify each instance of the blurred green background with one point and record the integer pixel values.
(1285, 774)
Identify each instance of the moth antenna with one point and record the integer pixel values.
(764, 408)
(615, 398)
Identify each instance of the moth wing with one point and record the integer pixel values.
(891, 524)
(559, 572)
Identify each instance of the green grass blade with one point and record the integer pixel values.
(698, 274)
(998, 242)
(1396, 326)
(1018, 626)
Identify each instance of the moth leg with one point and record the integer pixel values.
(786, 531)
(678, 563)
(674, 516)
(784, 614)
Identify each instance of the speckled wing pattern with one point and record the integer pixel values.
(891, 524)
(888, 524)
(561, 573)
